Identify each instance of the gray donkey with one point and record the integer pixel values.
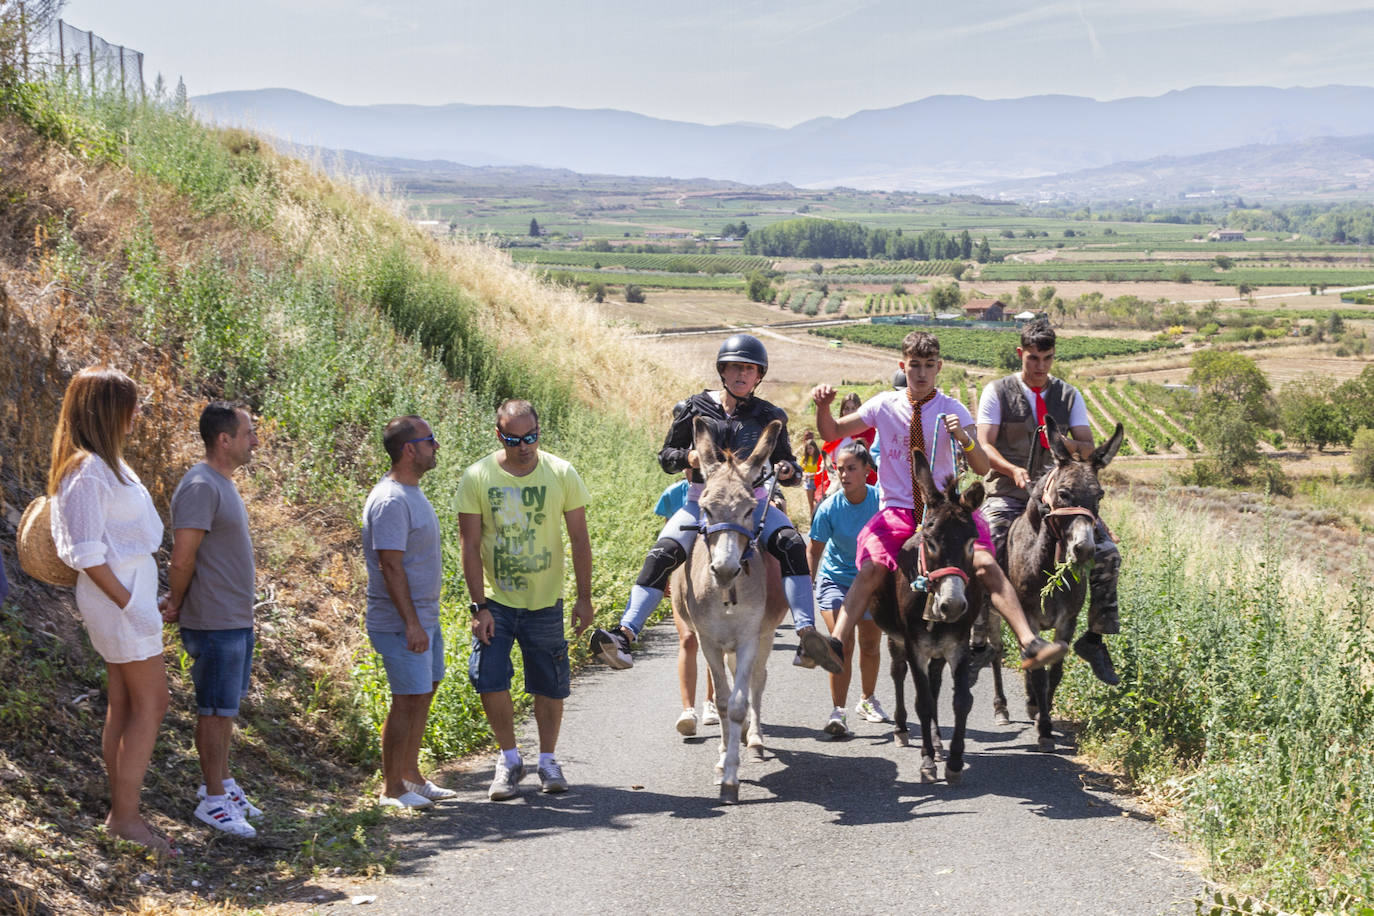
(720, 594)
(1057, 525)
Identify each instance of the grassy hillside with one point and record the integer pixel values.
(206, 265)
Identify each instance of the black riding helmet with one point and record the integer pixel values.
(899, 379)
(742, 348)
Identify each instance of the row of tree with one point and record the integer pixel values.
(825, 238)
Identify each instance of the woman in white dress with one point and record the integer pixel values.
(105, 526)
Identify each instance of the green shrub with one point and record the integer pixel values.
(1362, 456)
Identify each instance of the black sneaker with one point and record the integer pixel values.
(1093, 650)
(826, 651)
(1041, 653)
(612, 648)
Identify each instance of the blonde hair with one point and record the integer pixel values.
(96, 410)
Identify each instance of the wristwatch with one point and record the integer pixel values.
(476, 606)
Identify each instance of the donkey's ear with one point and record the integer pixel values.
(707, 453)
(1058, 447)
(761, 455)
(920, 471)
(1105, 452)
(972, 498)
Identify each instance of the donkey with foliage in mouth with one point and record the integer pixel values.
(1049, 547)
(928, 612)
(721, 594)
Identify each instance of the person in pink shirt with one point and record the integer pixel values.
(891, 414)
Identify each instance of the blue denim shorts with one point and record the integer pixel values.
(830, 595)
(223, 661)
(542, 645)
(410, 673)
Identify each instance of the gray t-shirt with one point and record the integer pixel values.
(222, 589)
(399, 517)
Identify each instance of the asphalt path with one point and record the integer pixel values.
(823, 824)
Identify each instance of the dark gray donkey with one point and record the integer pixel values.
(927, 610)
(1056, 527)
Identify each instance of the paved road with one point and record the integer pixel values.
(822, 825)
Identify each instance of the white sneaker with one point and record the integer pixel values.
(871, 710)
(505, 783)
(429, 790)
(404, 800)
(836, 724)
(551, 778)
(246, 808)
(224, 815)
(709, 714)
(687, 723)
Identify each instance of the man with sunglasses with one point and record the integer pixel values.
(511, 506)
(404, 574)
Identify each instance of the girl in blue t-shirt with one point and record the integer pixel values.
(834, 536)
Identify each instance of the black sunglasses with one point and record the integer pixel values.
(527, 439)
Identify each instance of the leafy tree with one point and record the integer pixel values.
(1223, 262)
(760, 288)
(957, 271)
(534, 232)
(965, 245)
(1233, 407)
(634, 293)
(984, 251)
(596, 291)
(1362, 456)
(1335, 324)
(946, 297)
(818, 268)
(1244, 289)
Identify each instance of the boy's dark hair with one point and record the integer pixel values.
(1037, 335)
(219, 417)
(920, 344)
(397, 433)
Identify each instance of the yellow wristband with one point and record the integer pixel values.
(969, 447)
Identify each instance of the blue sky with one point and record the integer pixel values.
(717, 62)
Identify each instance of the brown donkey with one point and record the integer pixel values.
(927, 610)
(1057, 525)
(720, 594)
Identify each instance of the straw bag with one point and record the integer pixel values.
(37, 552)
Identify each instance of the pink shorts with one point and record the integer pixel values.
(882, 538)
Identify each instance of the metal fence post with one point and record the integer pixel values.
(121, 74)
(90, 44)
(24, 38)
(61, 50)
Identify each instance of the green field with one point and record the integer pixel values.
(978, 347)
(654, 281)
(630, 260)
(1195, 271)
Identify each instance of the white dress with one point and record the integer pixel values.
(96, 519)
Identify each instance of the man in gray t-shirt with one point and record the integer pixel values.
(404, 573)
(211, 589)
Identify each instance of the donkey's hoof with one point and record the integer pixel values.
(927, 770)
(729, 794)
(954, 777)
(1032, 711)
(1045, 745)
(755, 752)
(939, 750)
(1000, 717)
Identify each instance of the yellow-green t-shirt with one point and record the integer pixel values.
(522, 527)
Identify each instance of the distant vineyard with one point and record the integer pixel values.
(673, 263)
(990, 348)
(887, 303)
(895, 268)
(1178, 272)
(653, 280)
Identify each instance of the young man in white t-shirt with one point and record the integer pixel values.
(890, 412)
(1011, 412)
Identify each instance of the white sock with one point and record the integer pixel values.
(229, 785)
(213, 800)
(545, 759)
(511, 757)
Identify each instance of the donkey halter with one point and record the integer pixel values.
(1052, 517)
(925, 582)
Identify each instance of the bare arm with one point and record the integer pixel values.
(398, 589)
(973, 453)
(109, 583)
(1080, 441)
(813, 556)
(576, 521)
(470, 537)
(185, 547)
(829, 428)
(987, 435)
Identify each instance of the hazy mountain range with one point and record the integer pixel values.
(936, 143)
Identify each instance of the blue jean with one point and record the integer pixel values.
(223, 663)
(410, 673)
(543, 646)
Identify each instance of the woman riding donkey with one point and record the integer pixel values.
(909, 420)
(737, 417)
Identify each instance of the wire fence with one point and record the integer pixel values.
(60, 52)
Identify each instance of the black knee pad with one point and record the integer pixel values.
(787, 545)
(665, 556)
